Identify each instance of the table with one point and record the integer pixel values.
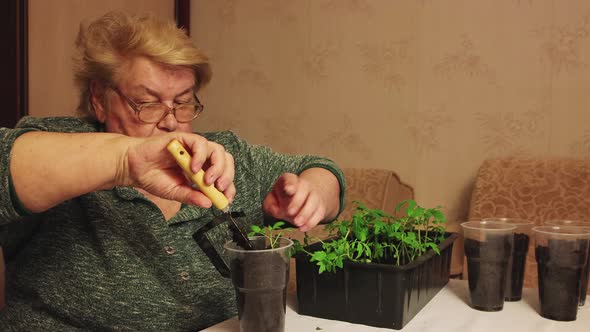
(449, 310)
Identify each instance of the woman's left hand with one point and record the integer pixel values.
(304, 200)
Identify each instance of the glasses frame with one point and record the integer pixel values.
(137, 107)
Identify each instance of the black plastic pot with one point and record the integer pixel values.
(379, 295)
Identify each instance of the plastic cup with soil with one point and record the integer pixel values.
(586, 270)
(488, 247)
(561, 253)
(260, 278)
(517, 261)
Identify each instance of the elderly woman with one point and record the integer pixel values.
(111, 215)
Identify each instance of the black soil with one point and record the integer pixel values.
(560, 281)
(516, 266)
(487, 263)
(261, 291)
(584, 283)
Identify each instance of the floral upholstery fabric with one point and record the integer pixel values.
(376, 188)
(534, 189)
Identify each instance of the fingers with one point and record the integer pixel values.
(277, 201)
(310, 214)
(188, 195)
(296, 193)
(230, 192)
(217, 163)
(198, 148)
(271, 206)
(149, 166)
(222, 170)
(294, 200)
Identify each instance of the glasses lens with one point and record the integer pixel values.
(185, 113)
(152, 113)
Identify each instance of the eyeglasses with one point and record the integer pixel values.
(155, 112)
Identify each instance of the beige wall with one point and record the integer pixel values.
(426, 88)
(53, 26)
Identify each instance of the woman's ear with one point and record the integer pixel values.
(98, 99)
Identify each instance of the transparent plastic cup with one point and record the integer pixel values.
(517, 263)
(488, 247)
(586, 271)
(561, 253)
(260, 278)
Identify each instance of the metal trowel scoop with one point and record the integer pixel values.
(183, 158)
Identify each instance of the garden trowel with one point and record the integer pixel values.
(183, 158)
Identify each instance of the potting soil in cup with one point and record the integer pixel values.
(487, 264)
(560, 267)
(584, 282)
(516, 267)
(261, 291)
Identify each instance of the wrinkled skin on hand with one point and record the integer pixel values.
(148, 165)
(295, 199)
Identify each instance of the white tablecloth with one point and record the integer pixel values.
(448, 311)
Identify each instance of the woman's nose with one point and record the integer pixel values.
(168, 122)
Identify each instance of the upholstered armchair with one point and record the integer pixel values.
(532, 189)
(376, 188)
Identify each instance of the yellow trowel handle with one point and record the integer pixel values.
(183, 158)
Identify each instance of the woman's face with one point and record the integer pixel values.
(145, 81)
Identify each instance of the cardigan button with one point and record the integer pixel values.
(170, 250)
(184, 275)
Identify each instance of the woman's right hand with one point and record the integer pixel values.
(149, 166)
(49, 168)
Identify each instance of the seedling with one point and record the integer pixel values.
(272, 237)
(373, 236)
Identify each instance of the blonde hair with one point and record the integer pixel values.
(106, 43)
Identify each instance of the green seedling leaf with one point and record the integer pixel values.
(267, 232)
(372, 235)
(278, 225)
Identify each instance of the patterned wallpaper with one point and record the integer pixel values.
(53, 27)
(426, 88)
